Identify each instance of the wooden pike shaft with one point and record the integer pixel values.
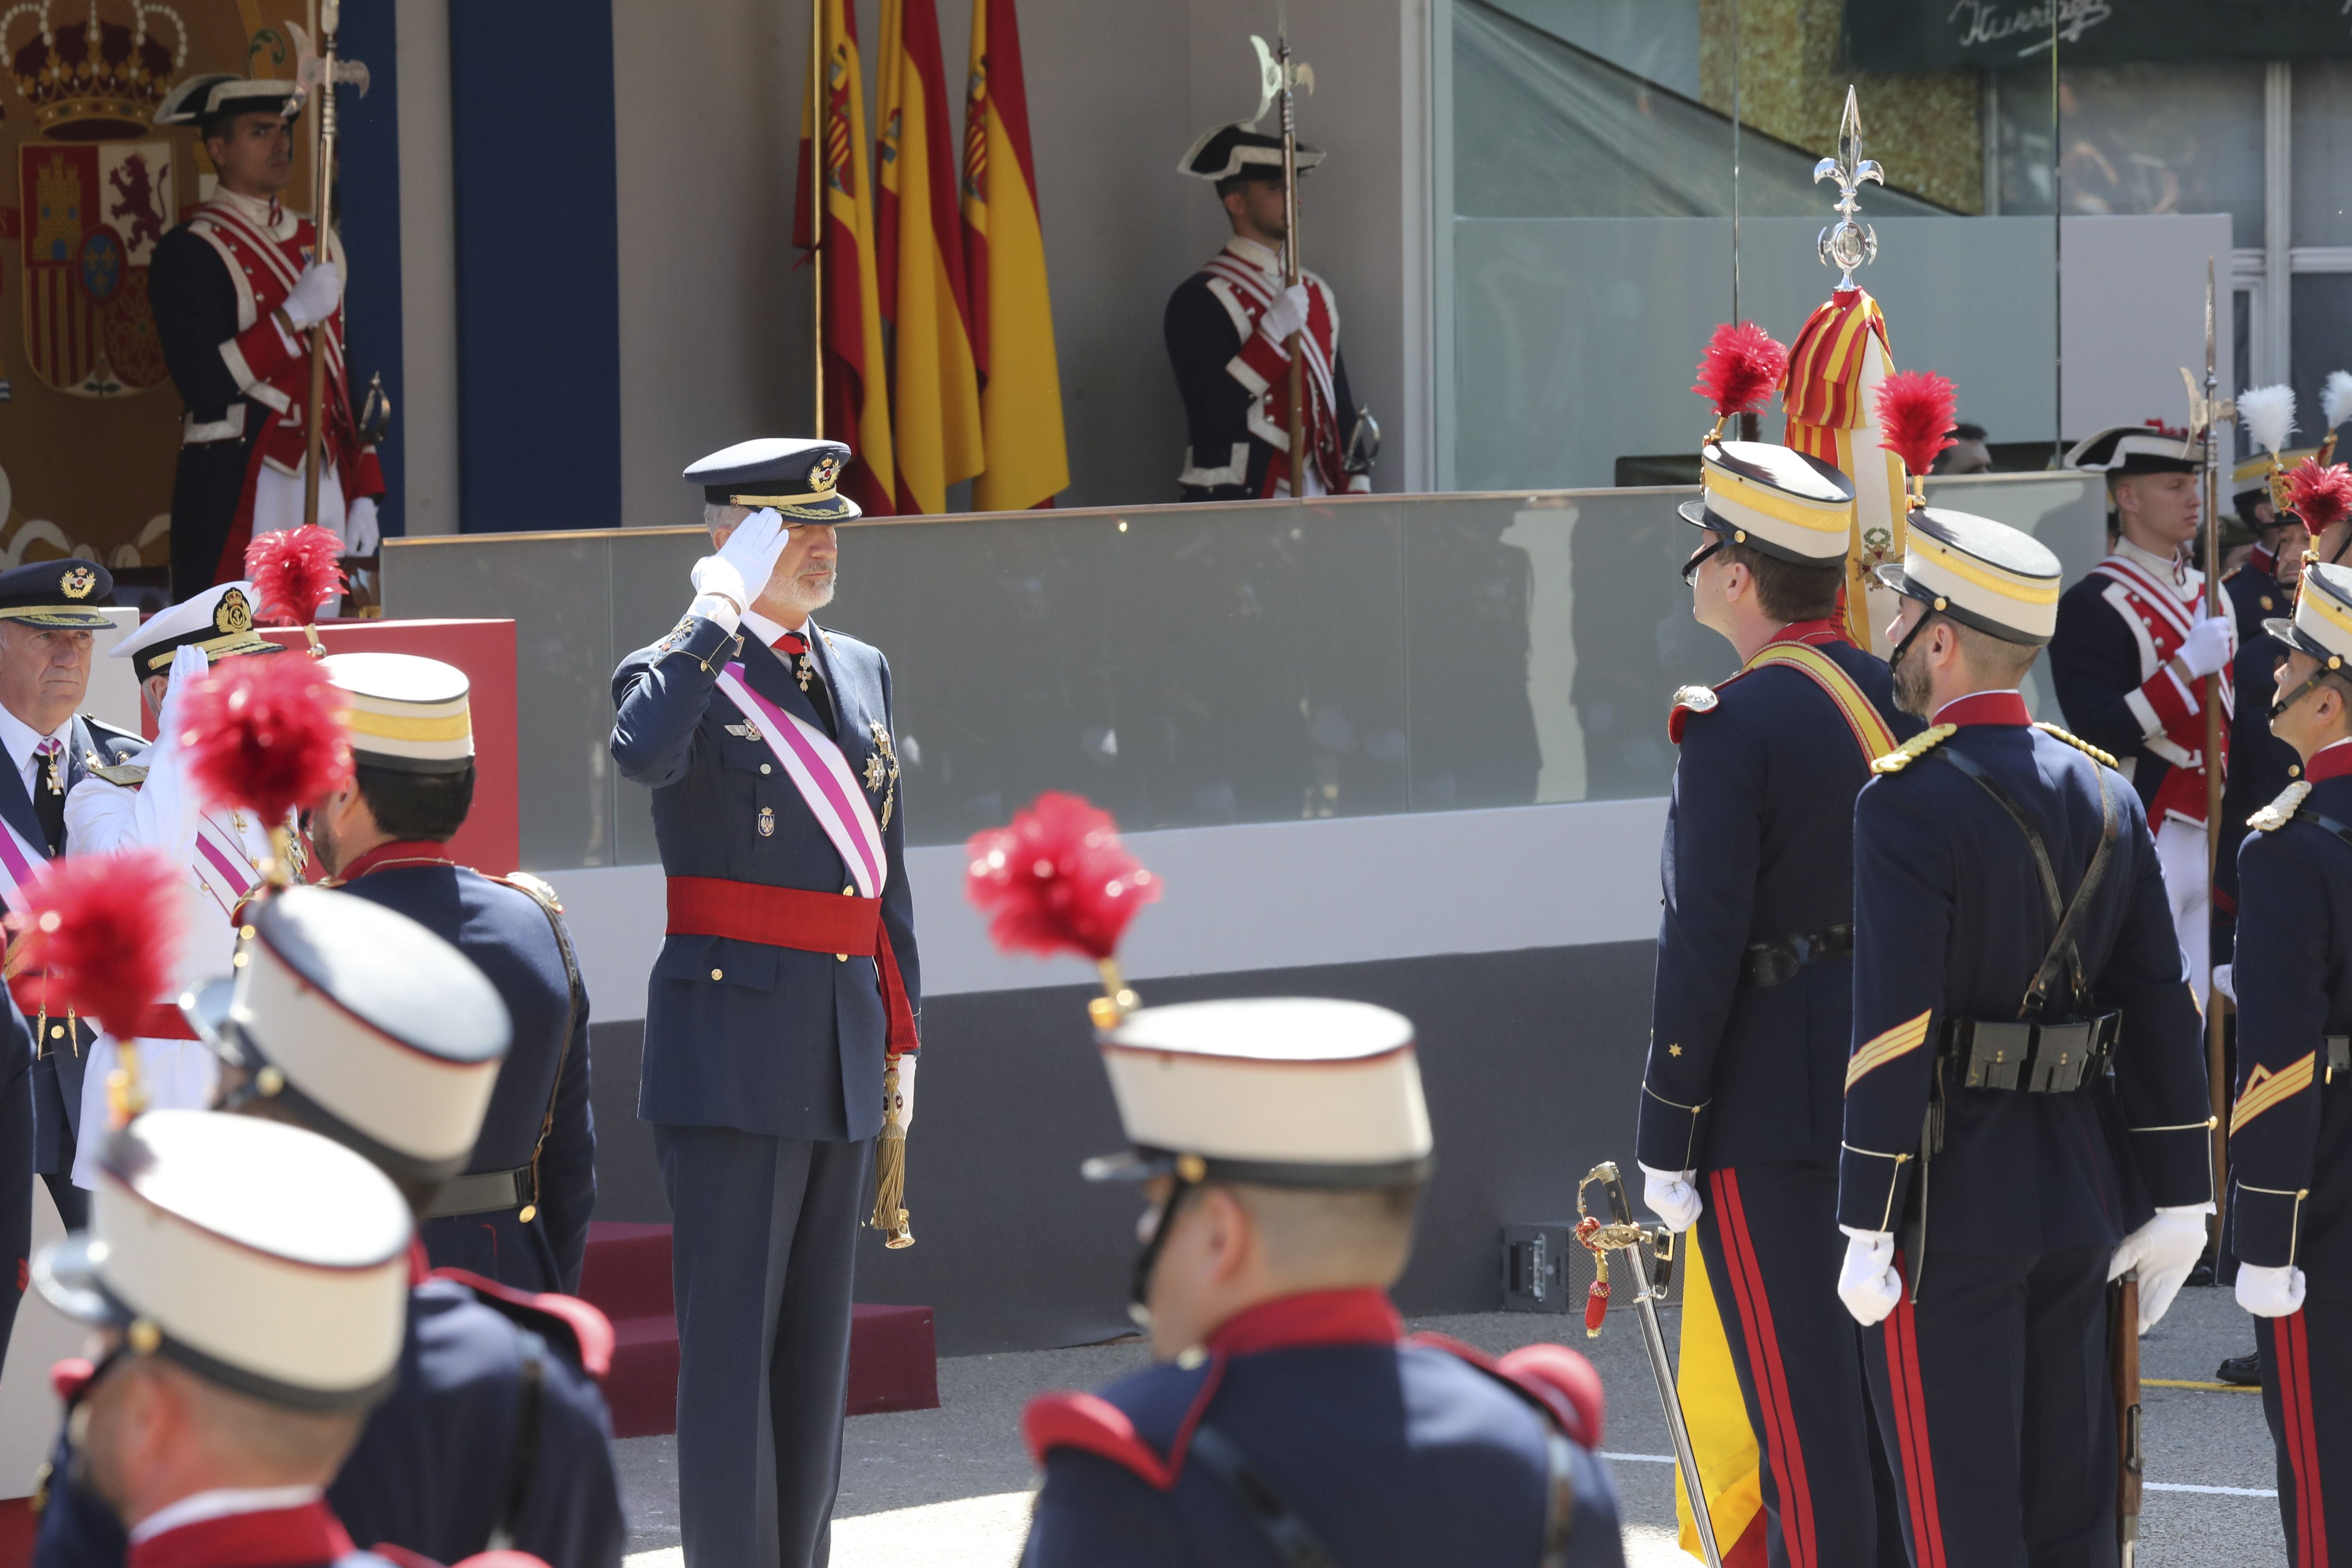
(2216, 1057)
(820, 107)
(1290, 269)
(323, 163)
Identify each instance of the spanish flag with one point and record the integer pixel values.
(1722, 1441)
(1005, 266)
(934, 386)
(857, 399)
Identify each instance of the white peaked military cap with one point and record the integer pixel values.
(2321, 626)
(2135, 449)
(199, 98)
(219, 620)
(259, 1257)
(1776, 498)
(1281, 1092)
(1982, 573)
(359, 1023)
(405, 714)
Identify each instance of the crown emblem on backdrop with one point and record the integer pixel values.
(96, 78)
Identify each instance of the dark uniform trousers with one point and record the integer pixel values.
(2307, 1400)
(1745, 1073)
(762, 1077)
(1992, 1388)
(494, 1427)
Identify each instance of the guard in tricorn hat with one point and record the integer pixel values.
(2011, 946)
(783, 1008)
(1282, 1145)
(1751, 1008)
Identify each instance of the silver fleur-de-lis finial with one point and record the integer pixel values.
(1848, 244)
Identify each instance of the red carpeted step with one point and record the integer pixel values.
(893, 1356)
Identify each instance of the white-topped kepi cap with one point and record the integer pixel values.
(1984, 574)
(405, 714)
(259, 1257)
(1784, 502)
(2321, 626)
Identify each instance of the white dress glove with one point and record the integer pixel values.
(2164, 1250)
(2270, 1292)
(906, 1066)
(2209, 646)
(312, 299)
(1867, 1282)
(360, 535)
(1286, 315)
(726, 585)
(1671, 1195)
(2225, 980)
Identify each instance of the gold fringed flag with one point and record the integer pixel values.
(934, 386)
(1721, 1438)
(1830, 395)
(857, 393)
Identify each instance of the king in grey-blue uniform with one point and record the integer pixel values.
(2026, 1083)
(1750, 1011)
(518, 1212)
(358, 1023)
(1292, 1423)
(2290, 1216)
(788, 975)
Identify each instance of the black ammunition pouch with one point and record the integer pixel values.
(2340, 1057)
(1778, 963)
(2030, 1057)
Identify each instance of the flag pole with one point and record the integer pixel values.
(820, 111)
(1290, 257)
(327, 16)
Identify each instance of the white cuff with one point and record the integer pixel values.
(717, 608)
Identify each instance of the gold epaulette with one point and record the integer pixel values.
(1912, 750)
(536, 889)
(2076, 742)
(2280, 812)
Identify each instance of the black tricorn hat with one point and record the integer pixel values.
(1238, 150)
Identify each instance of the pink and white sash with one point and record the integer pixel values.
(818, 770)
(221, 866)
(19, 863)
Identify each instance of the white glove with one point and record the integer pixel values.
(1867, 1282)
(2209, 646)
(906, 1066)
(314, 294)
(360, 535)
(2270, 1292)
(1286, 315)
(2225, 980)
(740, 571)
(2164, 1250)
(1670, 1195)
(190, 664)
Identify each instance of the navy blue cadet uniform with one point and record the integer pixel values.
(494, 1427)
(1751, 1023)
(1991, 1372)
(2261, 764)
(513, 932)
(1391, 1451)
(763, 1063)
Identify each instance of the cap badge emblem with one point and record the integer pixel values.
(79, 583)
(827, 469)
(233, 614)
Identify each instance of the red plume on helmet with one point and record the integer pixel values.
(105, 932)
(1741, 367)
(264, 735)
(2321, 496)
(1917, 411)
(295, 570)
(1057, 879)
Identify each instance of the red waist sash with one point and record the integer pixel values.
(161, 1021)
(803, 920)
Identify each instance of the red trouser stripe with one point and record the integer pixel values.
(1910, 1400)
(2290, 1340)
(1786, 1454)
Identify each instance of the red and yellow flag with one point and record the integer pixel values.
(1004, 263)
(857, 399)
(1835, 365)
(934, 384)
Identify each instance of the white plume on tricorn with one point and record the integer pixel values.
(2336, 397)
(2269, 415)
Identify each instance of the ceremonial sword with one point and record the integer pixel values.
(1624, 1236)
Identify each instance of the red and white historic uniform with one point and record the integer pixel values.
(1235, 380)
(2118, 631)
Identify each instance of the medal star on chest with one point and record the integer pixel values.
(877, 772)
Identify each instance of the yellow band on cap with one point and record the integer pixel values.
(2325, 605)
(401, 727)
(807, 497)
(1823, 517)
(1992, 579)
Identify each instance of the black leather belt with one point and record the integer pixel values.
(1776, 962)
(481, 1192)
(2030, 1057)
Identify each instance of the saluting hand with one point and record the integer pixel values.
(740, 569)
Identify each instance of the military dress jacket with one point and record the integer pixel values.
(2261, 764)
(2290, 1120)
(497, 1421)
(1759, 848)
(1951, 922)
(742, 1034)
(513, 932)
(2119, 630)
(1390, 1451)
